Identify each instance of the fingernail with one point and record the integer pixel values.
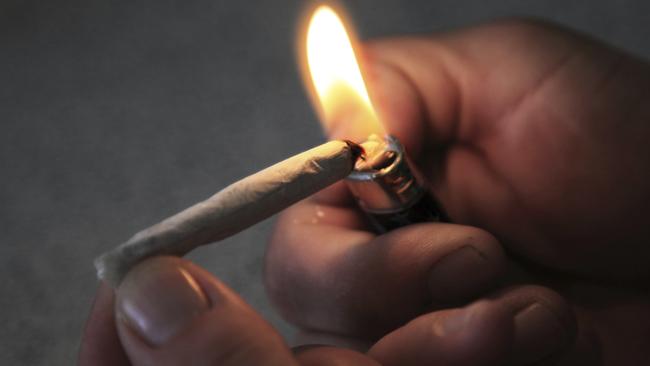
(158, 299)
(460, 275)
(455, 321)
(538, 334)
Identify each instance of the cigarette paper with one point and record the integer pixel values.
(233, 209)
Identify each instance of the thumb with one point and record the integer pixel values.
(171, 312)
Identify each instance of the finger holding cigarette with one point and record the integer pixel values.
(233, 209)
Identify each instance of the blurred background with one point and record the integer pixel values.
(116, 114)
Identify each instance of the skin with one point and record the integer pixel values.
(535, 140)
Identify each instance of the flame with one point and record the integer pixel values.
(346, 109)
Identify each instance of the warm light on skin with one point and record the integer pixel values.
(337, 80)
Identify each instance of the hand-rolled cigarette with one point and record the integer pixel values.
(233, 209)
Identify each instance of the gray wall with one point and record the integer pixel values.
(117, 114)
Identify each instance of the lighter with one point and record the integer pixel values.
(387, 189)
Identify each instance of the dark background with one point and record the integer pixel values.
(115, 114)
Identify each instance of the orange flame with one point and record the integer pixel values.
(336, 77)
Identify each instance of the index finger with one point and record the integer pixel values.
(327, 271)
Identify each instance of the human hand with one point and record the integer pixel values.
(533, 133)
(168, 311)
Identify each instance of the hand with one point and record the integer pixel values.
(518, 129)
(168, 311)
(533, 133)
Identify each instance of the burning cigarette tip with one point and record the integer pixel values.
(357, 151)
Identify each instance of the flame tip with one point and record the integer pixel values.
(335, 73)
